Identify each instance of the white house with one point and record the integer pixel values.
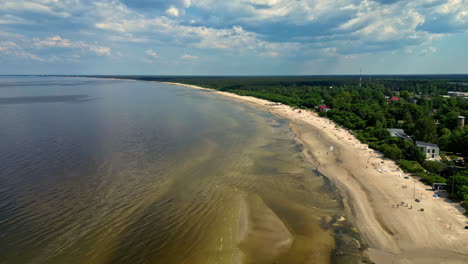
(431, 151)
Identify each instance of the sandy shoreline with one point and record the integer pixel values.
(371, 188)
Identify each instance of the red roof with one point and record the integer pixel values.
(324, 107)
(395, 98)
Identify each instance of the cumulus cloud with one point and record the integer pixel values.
(152, 54)
(59, 42)
(392, 23)
(294, 12)
(152, 6)
(361, 25)
(233, 39)
(12, 49)
(284, 27)
(10, 19)
(50, 50)
(35, 6)
(100, 51)
(271, 28)
(187, 3)
(172, 11)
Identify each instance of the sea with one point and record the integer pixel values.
(119, 171)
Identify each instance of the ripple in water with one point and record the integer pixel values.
(152, 173)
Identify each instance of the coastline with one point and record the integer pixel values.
(371, 186)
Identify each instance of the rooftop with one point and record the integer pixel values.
(425, 144)
(398, 132)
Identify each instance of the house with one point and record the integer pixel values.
(392, 99)
(324, 108)
(398, 132)
(431, 151)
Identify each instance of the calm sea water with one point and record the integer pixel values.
(112, 171)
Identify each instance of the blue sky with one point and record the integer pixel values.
(235, 37)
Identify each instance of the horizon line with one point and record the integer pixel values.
(243, 75)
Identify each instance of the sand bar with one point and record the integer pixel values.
(376, 195)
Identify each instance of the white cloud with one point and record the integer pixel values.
(37, 6)
(59, 42)
(427, 51)
(295, 12)
(330, 51)
(270, 54)
(25, 48)
(451, 6)
(234, 39)
(100, 51)
(10, 19)
(128, 37)
(55, 41)
(12, 49)
(152, 54)
(172, 11)
(187, 3)
(369, 25)
(457, 9)
(377, 23)
(271, 28)
(189, 57)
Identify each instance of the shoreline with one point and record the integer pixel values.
(371, 187)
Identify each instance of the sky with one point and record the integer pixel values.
(233, 37)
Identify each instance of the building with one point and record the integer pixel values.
(461, 122)
(439, 186)
(458, 94)
(324, 108)
(392, 99)
(431, 151)
(398, 132)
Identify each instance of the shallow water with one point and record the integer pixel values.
(112, 171)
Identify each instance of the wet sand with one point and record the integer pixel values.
(372, 187)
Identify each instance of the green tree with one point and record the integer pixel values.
(412, 152)
(433, 166)
(425, 130)
(405, 94)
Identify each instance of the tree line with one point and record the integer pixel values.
(365, 106)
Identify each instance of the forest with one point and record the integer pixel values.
(368, 105)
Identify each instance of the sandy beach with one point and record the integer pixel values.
(377, 197)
